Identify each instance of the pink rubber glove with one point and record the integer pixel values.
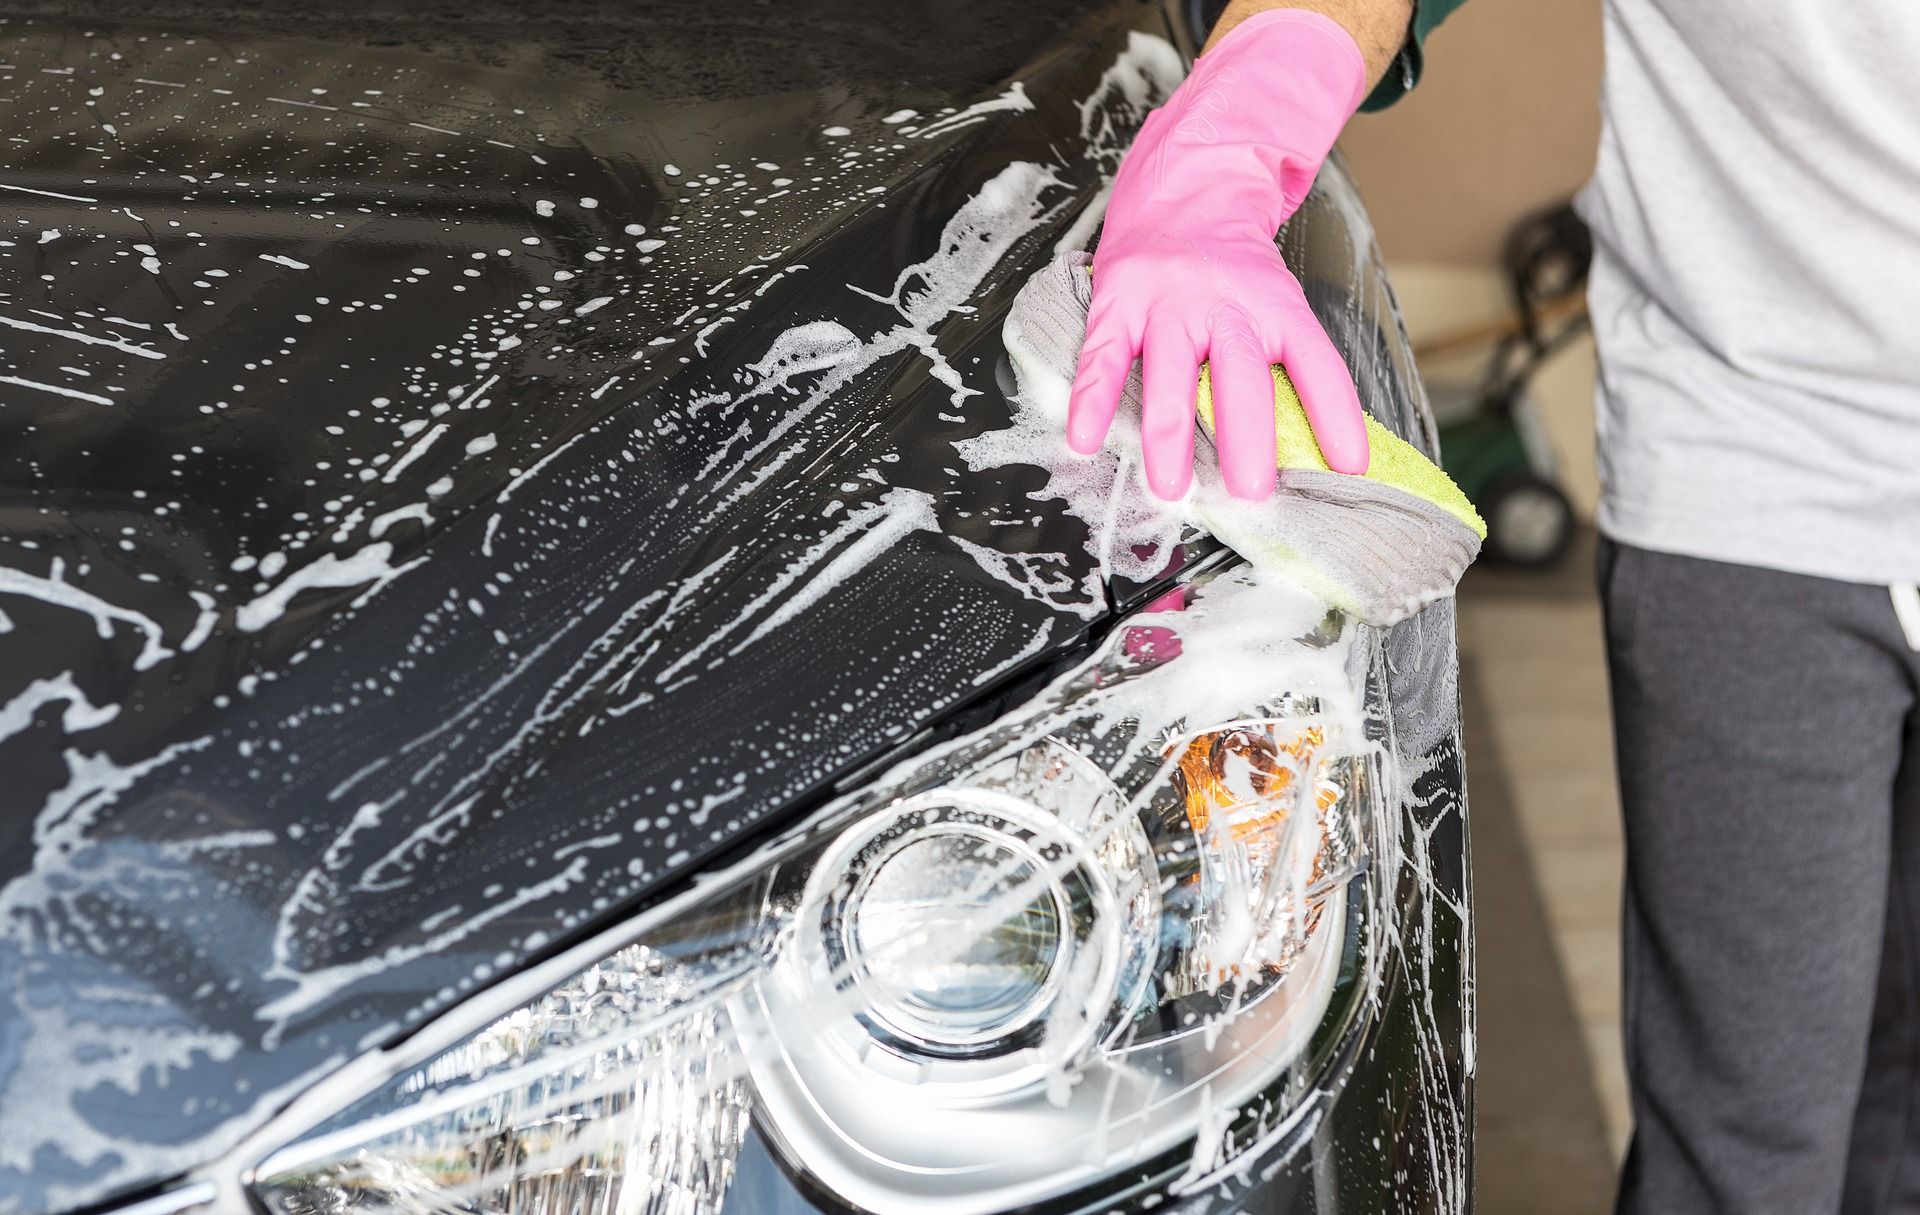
(1187, 270)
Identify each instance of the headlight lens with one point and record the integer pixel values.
(1110, 924)
(945, 878)
(954, 921)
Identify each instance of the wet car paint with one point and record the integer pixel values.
(446, 508)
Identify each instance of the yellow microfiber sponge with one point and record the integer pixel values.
(1394, 462)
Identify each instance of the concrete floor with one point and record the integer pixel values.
(1546, 839)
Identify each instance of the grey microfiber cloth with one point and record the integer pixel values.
(1380, 546)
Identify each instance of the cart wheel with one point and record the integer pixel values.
(1529, 522)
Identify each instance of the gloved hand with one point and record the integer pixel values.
(1187, 269)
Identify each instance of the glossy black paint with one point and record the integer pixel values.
(246, 834)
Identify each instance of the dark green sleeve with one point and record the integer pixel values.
(1404, 72)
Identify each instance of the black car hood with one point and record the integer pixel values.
(443, 505)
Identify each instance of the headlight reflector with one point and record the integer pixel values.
(607, 1094)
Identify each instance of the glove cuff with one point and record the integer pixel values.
(1246, 132)
(1344, 62)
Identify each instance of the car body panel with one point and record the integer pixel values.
(446, 508)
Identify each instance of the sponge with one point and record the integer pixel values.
(1379, 546)
(1394, 462)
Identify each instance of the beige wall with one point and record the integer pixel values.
(1504, 122)
(1505, 119)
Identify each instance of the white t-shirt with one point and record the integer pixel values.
(1756, 286)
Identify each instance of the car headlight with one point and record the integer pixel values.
(1108, 925)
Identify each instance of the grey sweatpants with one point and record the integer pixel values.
(1769, 758)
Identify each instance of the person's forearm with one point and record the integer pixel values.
(1379, 26)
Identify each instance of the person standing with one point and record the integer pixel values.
(1756, 300)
